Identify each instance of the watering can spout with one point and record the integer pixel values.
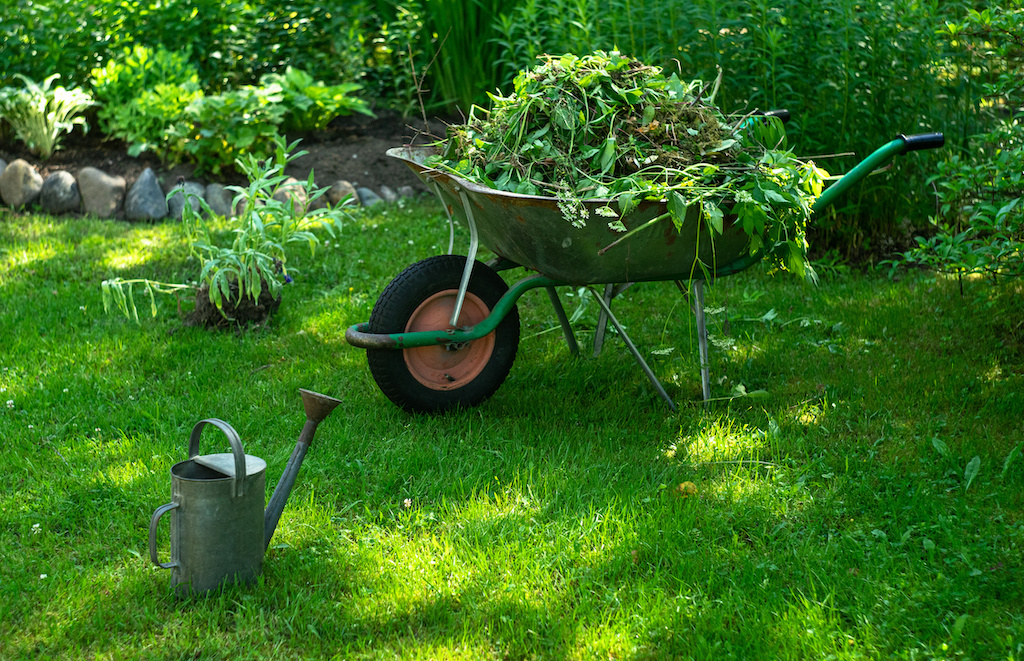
(317, 408)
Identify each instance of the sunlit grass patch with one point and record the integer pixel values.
(570, 516)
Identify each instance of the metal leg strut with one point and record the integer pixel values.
(632, 349)
(570, 337)
(702, 338)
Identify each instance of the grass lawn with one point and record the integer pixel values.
(869, 506)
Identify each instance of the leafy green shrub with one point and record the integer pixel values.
(134, 72)
(218, 34)
(40, 37)
(980, 220)
(262, 235)
(382, 48)
(156, 120)
(223, 127)
(310, 104)
(39, 115)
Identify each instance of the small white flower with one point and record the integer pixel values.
(82, 308)
(410, 242)
(407, 503)
(65, 390)
(744, 196)
(10, 403)
(36, 529)
(42, 576)
(31, 426)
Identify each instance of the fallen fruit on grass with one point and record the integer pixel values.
(686, 489)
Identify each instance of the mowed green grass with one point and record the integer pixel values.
(839, 514)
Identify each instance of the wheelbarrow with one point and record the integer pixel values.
(444, 333)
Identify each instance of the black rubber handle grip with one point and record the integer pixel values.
(782, 114)
(923, 141)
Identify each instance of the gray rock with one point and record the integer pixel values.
(60, 194)
(219, 199)
(20, 183)
(367, 197)
(291, 191)
(188, 190)
(102, 194)
(388, 194)
(146, 199)
(339, 191)
(319, 202)
(406, 191)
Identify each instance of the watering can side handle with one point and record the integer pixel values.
(153, 523)
(236, 449)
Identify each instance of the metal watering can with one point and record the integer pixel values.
(219, 529)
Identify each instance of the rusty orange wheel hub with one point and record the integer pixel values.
(448, 366)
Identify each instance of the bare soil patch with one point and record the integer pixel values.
(351, 148)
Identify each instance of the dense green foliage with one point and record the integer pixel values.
(980, 220)
(853, 74)
(152, 100)
(610, 128)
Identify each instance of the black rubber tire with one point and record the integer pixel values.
(403, 297)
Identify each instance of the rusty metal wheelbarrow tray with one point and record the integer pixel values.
(532, 231)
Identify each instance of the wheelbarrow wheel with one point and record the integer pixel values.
(438, 378)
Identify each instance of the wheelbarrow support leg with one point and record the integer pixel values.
(474, 245)
(702, 338)
(610, 292)
(602, 319)
(632, 349)
(436, 190)
(570, 337)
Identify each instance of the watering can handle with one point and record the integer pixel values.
(153, 523)
(236, 449)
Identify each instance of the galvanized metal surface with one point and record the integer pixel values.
(532, 231)
(217, 521)
(219, 529)
(317, 407)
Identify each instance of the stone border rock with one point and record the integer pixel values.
(99, 194)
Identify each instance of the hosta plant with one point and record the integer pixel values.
(40, 114)
(244, 259)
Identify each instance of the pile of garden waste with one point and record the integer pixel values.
(609, 128)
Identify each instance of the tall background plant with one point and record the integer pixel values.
(979, 222)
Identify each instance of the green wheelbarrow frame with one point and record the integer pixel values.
(530, 231)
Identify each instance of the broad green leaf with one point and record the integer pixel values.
(1010, 458)
(971, 472)
(677, 208)
(608, 154)
(714, 216)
